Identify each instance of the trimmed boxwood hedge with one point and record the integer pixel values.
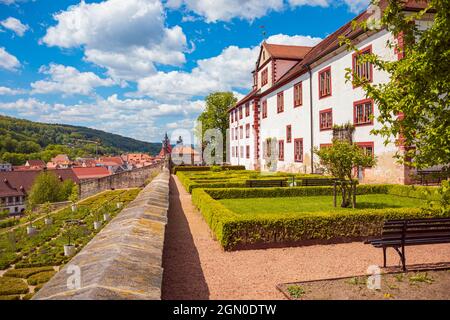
(233, 230)
(12, 286)
(204, 168)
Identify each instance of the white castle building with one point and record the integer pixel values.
(299, 93)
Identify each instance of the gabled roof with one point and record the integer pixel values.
(37, 163)
(91, 172)
(278, 51)
(15, 183)
(118, 160)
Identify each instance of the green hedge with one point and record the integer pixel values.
(204, 168)
(233, 230)
(288, 192)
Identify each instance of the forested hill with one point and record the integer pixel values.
(21, 140)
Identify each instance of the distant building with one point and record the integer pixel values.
(15, 186)
(85, 162)
(185, 155)
(91, 172)
(35, 164)
(61, 161)
(5, 166)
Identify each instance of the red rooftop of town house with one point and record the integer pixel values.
(91, 172)
(117, 160)
(35, 163)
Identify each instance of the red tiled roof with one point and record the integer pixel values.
(244, 99)
(279, 51)
(12, 181)
(117, 160)
(37, 163)
(90, 172)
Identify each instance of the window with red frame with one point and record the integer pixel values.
(288, 134)
(362, 112)
(326, 119)
(242, 151)
(247, 109)
(325, 83)
(247, 130)
(298, 150)
(363, 70)
(240, 112)
(247, 152)
(281, 150)
(231, 117)
(264, 77)
(280, 102)
(298, 95)
(232, 133)
(236, 133)
(241, 132)
(232, 151)
(235, 114)
(264, 109)
(367, 147)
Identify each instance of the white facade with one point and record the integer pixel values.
(304, 126)
(4, 166)
(13, 204)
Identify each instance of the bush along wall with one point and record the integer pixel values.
(204, 168)
(234, 231)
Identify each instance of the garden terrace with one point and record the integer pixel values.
(236, 179)
(27, 262)
(264, 217)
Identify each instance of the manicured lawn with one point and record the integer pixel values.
(316, 203)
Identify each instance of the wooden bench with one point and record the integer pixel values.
(262, 183)
(398, 234)
(316, 182)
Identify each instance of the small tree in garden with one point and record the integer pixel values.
(74, 194)
(339, 160)
(46, 208)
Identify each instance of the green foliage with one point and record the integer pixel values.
(295, 291)
(74, 194)
(48, 188)
(215, 116)
(12, 286)
(440, 198)
(418, 87)
(340, 159)
(41, 277)
(23, 140)
(205, 168)
(26, 272)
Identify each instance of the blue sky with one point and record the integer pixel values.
(142, 67)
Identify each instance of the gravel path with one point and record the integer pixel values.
(196, 267)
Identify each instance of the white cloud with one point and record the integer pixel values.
(231, 69)
(227, 71)
(8, 91)
(7, 2)
(15, 25)
(312, 3)
(137, 118)
(296, 40)
(356, 6)
(226, 10)
(126, 37)
(68, 80)
(8, 61)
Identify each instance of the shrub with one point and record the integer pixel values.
(41, 277)
(10, 297)
(11, 286)
(26, 272)
(232, 230)
(204, 168)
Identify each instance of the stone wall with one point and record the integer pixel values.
(128, 179)
(124, 260)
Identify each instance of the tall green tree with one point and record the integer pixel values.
(414, 104)
(48, 188)
(215, 115)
